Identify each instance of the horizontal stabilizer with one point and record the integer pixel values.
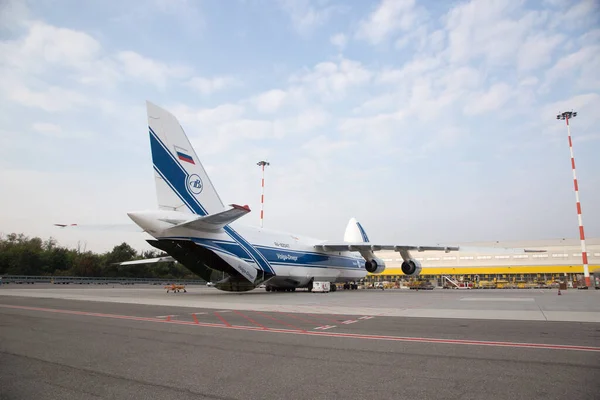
(214, 222)
(377, 247)
(147, 261)
(102, 227)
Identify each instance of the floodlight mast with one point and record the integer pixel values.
(262, 164)
(586, 272)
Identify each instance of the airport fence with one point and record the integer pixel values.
(78, 280)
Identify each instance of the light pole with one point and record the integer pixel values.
(262, 164)
(586, 272)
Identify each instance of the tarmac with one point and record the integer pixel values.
(142, 343)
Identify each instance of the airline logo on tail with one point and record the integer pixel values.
(195, 184)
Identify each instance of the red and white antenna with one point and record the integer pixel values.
(586, 272)
(262, 164)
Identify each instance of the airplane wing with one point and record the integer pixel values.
(147, 261)
(344, 246)
(216, 221)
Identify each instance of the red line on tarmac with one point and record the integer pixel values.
(298, 318)
(250, 319)
(281, 322)
(222, 319)
(313, 333)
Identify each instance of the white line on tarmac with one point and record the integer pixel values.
(529, 299)
(325, 327)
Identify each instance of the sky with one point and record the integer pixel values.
(430, 122)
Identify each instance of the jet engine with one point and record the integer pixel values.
(375, 266)
(411, 267)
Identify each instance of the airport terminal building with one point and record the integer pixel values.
(562, 261)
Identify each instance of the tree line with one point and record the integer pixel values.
(21, 255)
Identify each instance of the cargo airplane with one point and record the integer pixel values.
(195, 228)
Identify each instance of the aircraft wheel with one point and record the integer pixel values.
(268, 288)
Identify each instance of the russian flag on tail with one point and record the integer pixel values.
(183, 155)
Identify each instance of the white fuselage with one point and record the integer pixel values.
(291, 258)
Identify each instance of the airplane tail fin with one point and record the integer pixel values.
(355, 233)
(182, 184)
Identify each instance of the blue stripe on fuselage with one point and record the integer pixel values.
(278, 256)
(176, 177)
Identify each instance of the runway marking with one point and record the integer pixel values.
(166, 316)
(365, 317)
(349, 321)
(527, 299)
(281, 322)
(222, 319)
(320, 333)
(324, 327)
(250, 319)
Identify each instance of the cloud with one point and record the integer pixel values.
(493, 31)
(537, 50)
(323, 146)
(339, 40)
(306, 16)
(426, 92)
(331, 80)
(580, 66)
(47, 128)
(207, 116)
(12, 14)
(56, 131)
(493, 99)
(155, 72)
(211, 85)
(46, 45)
(270, 101)
(389, 17)
(51, 99)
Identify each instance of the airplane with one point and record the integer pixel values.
(194, 227)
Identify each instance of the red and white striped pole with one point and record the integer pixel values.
(262, 164)
(586, 272)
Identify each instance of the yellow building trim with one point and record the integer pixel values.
(526, 269)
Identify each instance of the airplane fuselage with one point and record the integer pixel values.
(289, 260)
